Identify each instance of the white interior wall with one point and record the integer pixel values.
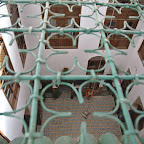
(11, 127)
(58, 62)
(136, 67)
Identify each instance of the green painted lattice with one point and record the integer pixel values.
(131, 132)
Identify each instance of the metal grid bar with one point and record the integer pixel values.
(122, 100)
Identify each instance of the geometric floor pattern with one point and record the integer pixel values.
(70, 126)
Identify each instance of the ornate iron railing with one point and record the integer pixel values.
(131, 132)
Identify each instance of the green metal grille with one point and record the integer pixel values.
(130, 131)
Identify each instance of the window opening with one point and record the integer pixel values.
(11, 91)
(13, 10)
(64, 42)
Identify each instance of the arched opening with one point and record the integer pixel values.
(96, 63)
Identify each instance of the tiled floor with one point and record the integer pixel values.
(70, 126)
